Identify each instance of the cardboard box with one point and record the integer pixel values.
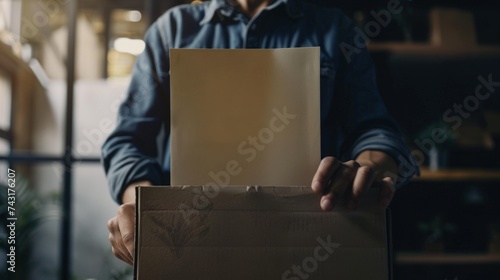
(260, 126)
(250, 233)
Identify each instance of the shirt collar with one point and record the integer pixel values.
(217, 10)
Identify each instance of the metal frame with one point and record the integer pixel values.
(4, 134)
(65, 271)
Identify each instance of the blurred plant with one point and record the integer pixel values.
(434, 231)
(495, 238)
(404, 19)
(32, 209)
(438, 130)
(123, 274)
(126, 273)
(436, 141)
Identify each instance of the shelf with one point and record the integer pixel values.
(429, 49)
(443, 175)
(9, 62)
(458, 259)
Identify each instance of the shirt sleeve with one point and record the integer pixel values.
(130, 153)
(364, 119)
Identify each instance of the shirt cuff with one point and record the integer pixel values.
(143, 170)
(391, 144)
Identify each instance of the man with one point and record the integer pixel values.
(360, 144)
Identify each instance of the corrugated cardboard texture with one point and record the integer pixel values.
(256, 233)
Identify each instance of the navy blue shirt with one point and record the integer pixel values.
(353, 116)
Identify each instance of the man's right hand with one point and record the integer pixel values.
(122, 226)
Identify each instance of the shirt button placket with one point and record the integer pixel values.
(252, 41)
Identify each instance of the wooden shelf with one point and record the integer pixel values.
(429, 49)
(9, 62)
(458, 259)
(24, 86)
(443, 175)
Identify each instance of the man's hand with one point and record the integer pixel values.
(121, 233)
(122, 226)
(336, 180)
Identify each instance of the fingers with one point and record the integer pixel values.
(336, 180)
(118, 252)
(340, 182)
(386, 192)
(121, 237)
(327, 167)
(365, 176)
(126, 223)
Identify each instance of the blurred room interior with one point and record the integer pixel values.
(65, 66)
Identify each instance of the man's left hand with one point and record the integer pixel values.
(336, 180)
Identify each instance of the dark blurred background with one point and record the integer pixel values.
(438, 69)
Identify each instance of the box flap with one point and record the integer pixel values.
(248, 233)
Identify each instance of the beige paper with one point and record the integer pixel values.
(245, 116)
(256, 233)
